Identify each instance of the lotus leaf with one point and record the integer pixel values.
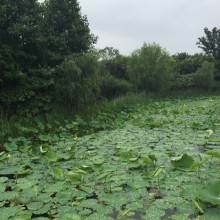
(210, 193)
(183, 161)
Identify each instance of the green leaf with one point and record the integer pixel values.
(3, 179)
(210, 193)
(75, 177)
(51, 156)
(213, 153)
(197, 164)
(4, 155)
(126, 155)
(183, 161)
(44, 148)
(104, 176)
(147, 161)
(57, 172)
(70, 217)
(23, 216)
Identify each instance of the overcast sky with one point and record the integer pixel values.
(173, 24)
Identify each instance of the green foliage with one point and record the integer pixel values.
(114, 63)
(183, 161)
(182, 82)
(210, 193)
(76, 81)
(204, 76)
(210, 44)
(65, 29)
(20, 28)
(108, 53)
(130, 162)
(34, 38)
(187, 64)
(111, 86)
(150, 68)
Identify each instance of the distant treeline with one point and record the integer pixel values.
(47, 59)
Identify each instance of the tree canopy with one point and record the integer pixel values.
(210, 43)
(34, 39)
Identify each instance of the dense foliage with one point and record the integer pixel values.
(78, 130)
(210, 44)
(150, 68)
(204, 76)
(34, 39)
(188, 64)
(163, 156)
(76, 81)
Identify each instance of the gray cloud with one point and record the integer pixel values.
(174, 24)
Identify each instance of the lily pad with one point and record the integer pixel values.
(183, 161)
(210, 193)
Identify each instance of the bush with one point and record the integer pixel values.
(182, 82)
(150, 68)
(112, 86)
(117, 66)
(187, 64)
(204, 76)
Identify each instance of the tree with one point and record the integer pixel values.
(188, 64)
(66, 30)
(210, 44)
(149, 68)
(108, 53)
(114, 62)
(204, 76)
(20, 31)
(35, 38)
(21, 49)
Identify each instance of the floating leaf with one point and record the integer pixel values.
(7, 212)
(70, 217)
(9, 171)
(75, 177)
(3, 179)
(147, 161)
(98, 162)
(51, 156)
(126, 155)
(35, 205)
(57, 172)
(183, 161)
(23, 216)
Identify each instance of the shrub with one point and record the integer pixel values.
(117, 66)
(149, 68)
(204, 76)
(112, 86)
(187, 64)
(182, 82)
